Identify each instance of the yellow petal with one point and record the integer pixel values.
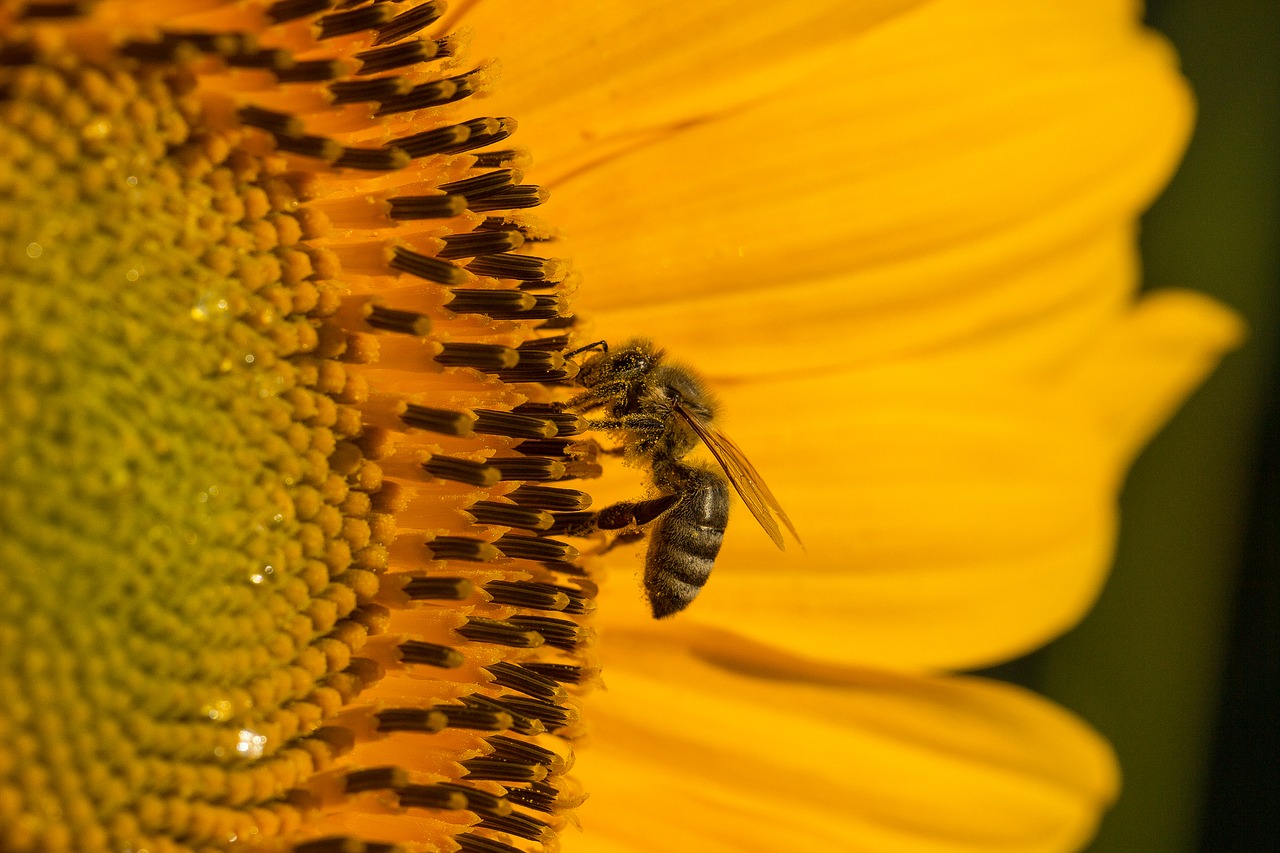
(1139, 372)
(725, 748)
(952, 518)
(952, 146)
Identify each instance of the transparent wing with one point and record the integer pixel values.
(745, 478)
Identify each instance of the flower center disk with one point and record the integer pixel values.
(280, 473)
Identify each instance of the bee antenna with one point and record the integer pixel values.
(603, 346)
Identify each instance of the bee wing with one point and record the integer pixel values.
(745, 478)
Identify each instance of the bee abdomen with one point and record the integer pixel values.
(686, 539)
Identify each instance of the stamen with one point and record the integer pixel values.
(512, 198)
(371, 89)
(442, 797)
(491, 422)
(374, 779)
(289, 10)
(482, 802)
(550, 498)
(496, 770)
(520, 594)
(310, 71)
(510, 749)
(483, 357)
(520, 825)
(462, 548)
(438, 589)
(553, 717)
(374, 159)
(509, 515)
(518, 677)
(530, 469)
(560, 633)
(536, 548)
(462, 471)
(408, 23)
(426, 206)
(498, 632)
(410, 720)
(471, 843)
(498, 304)
(484, 185)
(355, 20)
(520, 723)
(277, 123)
(479, 719)
(442, 421)
(381, 59)
(404, 322)
(430, 654)
(521, 267)
(475, 243)
(539, 796)
(431, 269)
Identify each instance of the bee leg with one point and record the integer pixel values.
(634, 514)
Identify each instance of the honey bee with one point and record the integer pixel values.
(661, 411)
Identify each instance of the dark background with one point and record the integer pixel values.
(1179, 664)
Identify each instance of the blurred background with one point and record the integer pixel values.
(1179, 664)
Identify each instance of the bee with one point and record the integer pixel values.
(661, 411)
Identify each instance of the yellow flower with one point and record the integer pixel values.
(264, 584)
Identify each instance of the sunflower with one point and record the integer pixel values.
(286, 543)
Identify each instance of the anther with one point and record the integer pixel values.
(438, 141)
(519, 267)
(408, 23)
(550, 498)
(487, 131)
(355, 20)
(496, 770)
(573, 524)
(520, 825)
(538, 548)
(554, 448)
(54, 10)
(443, 421)
(528, 468)
(431, 797)
(404, 322)
(381, 59)
(499, 304)
(487, 358)
(553, 717)
(434, 94)
(462, 548)
(277, 123)
(485, 184)
(471, 843)
(498, 159)
(371, 89)
(375, 159)
(343, 844)
(518, 594)
(411, 207)
(567, 423)
(561, 633)
(374, 779)
(555, 343)
(289, 10)
(564, 673)
(430, 654)
(438, 589)
(476, 243)
(509, 515)
(510, 749)
(479, 719)
(517, 677)
(539, 797)
(319, 147)
(481, 802)
(308, 71)
(511, 198)
(424, 267)
(520, 723)
(499, 633)
(410, 720)
(493, 422)
(461, 471)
